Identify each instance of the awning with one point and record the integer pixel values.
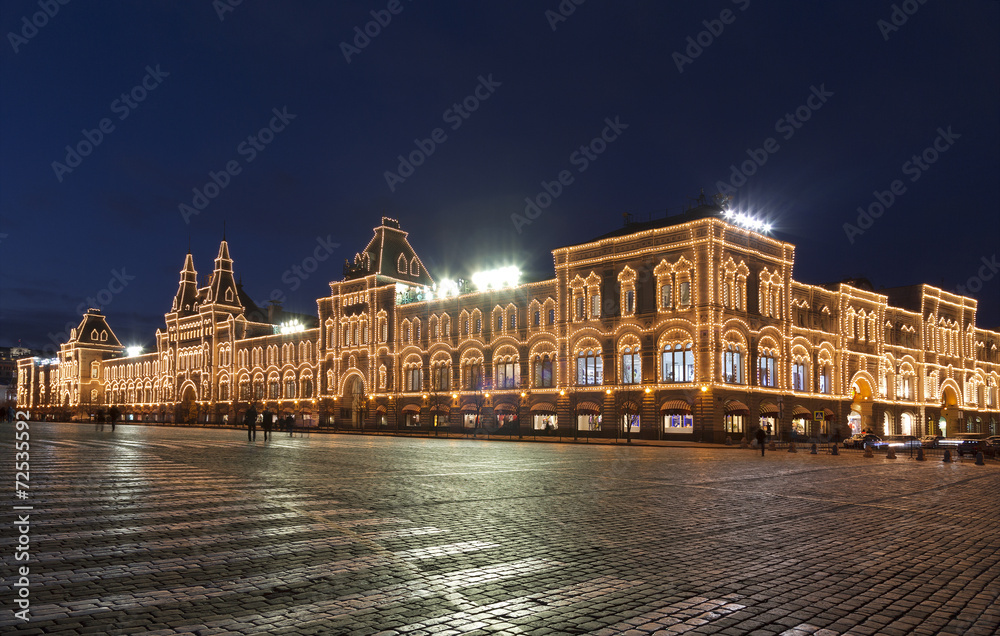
(588, 407)
(380, 408)
(440, 408)
(629, 405)
(769, 408)
(828, 414)
(410, 408)
(543, 407)
(735, 406)
(675, 406)
(504, 407)
(801, 411)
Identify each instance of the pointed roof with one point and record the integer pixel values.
(94, 330)
(389, 254)
(223, 288)
(187, 289)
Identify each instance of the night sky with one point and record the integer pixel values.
(805, 110)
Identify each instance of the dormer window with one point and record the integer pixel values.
(229, 294)
(401, 264)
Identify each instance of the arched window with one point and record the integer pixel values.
(732, 364)
(631, 365)
(677, 363)
(589, 368)
(543, 371)
(765, 369)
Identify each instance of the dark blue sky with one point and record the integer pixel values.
(863, 99)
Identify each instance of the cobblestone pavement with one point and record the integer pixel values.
(168, 530)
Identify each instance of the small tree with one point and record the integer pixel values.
(628, 402)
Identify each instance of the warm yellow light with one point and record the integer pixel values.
(487, 395)
(608, 391)
(454, 396)
(648, 390)
(704, 388)
(523, 394)
(561, 392)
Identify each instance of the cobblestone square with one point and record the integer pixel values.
(197, 531)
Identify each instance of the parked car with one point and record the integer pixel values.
(992, 448)
(860, 440)
(965, 443)
(902, 441)
(931, 441)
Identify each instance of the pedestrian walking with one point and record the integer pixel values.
(250, 419)
(267, 422)
(114, 415)
(761, 436)
(290, 425)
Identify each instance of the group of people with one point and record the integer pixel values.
(114, 414)
(268, 421)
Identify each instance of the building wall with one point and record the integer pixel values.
(746, 346)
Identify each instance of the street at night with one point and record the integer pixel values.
(185, 530)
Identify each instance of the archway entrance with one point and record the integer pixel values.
(860, 418)
(355, 405)
(948, 422)
(188, 408)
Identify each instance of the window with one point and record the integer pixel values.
(499, 322)
(765, 369)
(666, 296)
(906, 388)
(224, 391)
(579, 307)
(474, 376)
(631, 366)
(479, 324)
(552, 316)
(677, 363)
(824, 378)
(440, 378)
(798, 376)
(589, 368)
(307, 388)
(414, 379)
(273, 390)
(543, 371)
(630, 301)
(537, 320)
(685, 294)
(505, 376)
(512, 320)
(289, 387)
(595, 306)
(732, 365)
(258, 390)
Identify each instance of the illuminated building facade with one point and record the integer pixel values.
(688, 328)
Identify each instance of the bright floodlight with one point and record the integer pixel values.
(291, 326)
(497, 278)
(133, 351)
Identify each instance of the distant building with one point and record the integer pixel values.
(689, 327)
(8, 373)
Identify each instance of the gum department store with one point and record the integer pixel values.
(689, 327)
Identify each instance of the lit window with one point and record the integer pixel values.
(543, 372)
(798, 376)
(765, 370)
(666, 296)
(631, 366)
(732, 365)
(589, 368)
(677, 363)
(685, 294)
